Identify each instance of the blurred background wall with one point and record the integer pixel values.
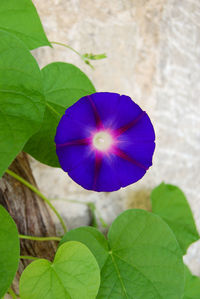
(153, 49)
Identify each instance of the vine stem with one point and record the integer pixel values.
(39, 238)
(28, 257)
(34, 189)
(67, 46)
(12, 293)
(72, 49)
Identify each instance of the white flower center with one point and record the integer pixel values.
(102, 140)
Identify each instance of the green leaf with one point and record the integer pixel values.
(74, 274)
(170, 203)
(21, 100)
(92, 238)
(21, 19)
(141, 259)
(9, 250)
(192, 285)
(64, 84)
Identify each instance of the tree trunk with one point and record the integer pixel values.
(29, 212)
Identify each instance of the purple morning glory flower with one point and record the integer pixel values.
(105, 141)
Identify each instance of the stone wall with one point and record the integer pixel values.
(153, 49)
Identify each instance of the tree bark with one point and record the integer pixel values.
(29, 212)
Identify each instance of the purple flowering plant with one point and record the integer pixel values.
(103, 141)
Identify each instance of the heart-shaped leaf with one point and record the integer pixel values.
(9, 250)
(64, 84)
(192, 285)
(21, 100)
(141, 259)
(170, 203)
(21, 19)
(74, 274)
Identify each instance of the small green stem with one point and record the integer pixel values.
(92, 208)
(27, 257)
(72, 49)
(67, 46)
(39, 238)
(12, 293)
(34, 189)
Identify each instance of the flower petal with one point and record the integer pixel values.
(115, 110)
(69, 129)
(142, 130)
(78, 122)
(71, 156)
(138, 141)
(106, 108)
(127, 172)
(83, 173)
(107, 178)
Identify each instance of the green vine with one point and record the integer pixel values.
(39, 238)
(34, 189)
(85, 57)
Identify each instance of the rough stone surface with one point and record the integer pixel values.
(153, 49)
